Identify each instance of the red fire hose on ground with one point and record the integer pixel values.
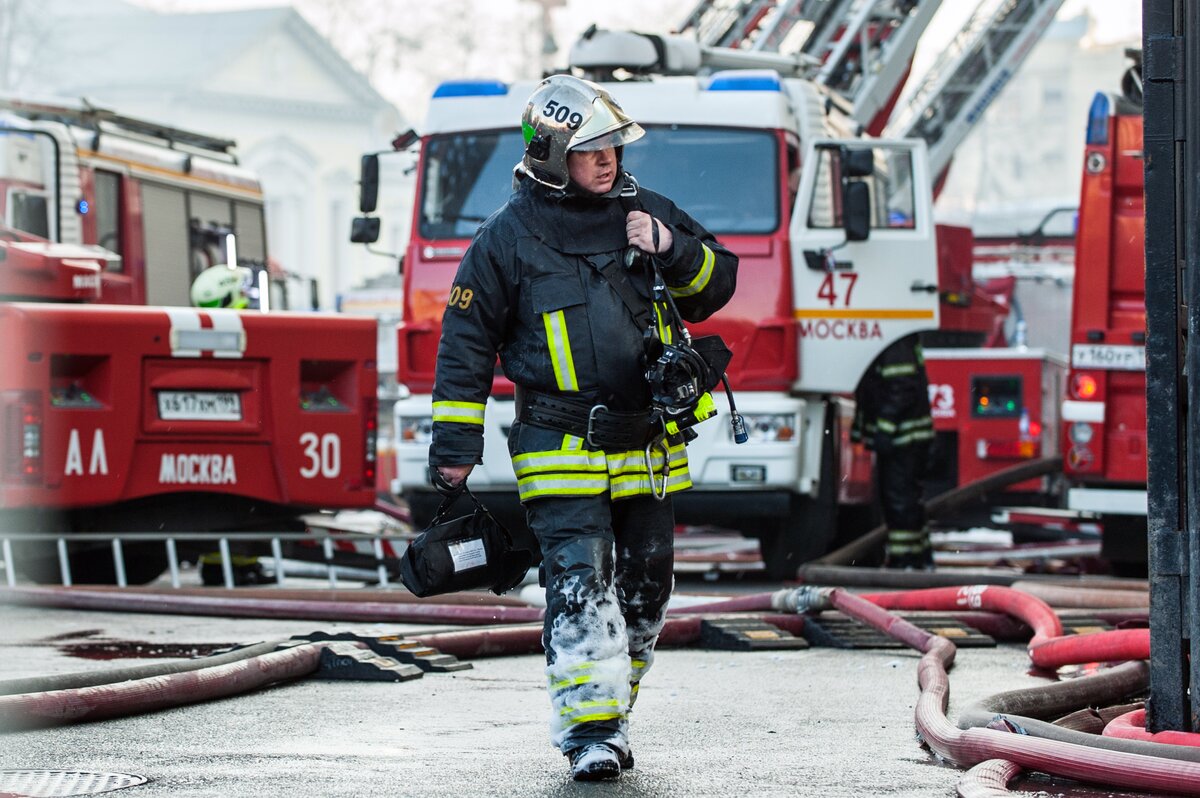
(972, 746)
(963, 746)
(60, 707)
(1049, 648)
(1132, 726)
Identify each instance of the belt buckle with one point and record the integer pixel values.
(591, 424)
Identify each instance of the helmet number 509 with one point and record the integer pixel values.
(324, 455)
(562, 114)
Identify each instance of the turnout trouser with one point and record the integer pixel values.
(901, 485)
(609, 572)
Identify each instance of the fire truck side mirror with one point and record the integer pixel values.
(364, 230)
(855, 162)
(856, 210)
(368, 185)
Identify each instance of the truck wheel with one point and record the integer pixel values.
(803, 535)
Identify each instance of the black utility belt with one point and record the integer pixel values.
(599, 427)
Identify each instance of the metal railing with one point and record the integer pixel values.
(379, 574)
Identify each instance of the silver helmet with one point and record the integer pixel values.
(566, 113)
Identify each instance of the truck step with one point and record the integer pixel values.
(750, 634)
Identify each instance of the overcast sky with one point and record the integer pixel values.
(497, 32)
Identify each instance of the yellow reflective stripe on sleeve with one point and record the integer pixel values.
(700, 280)
(899, 370)
(460, 412)
(560, 350)
(886, 426)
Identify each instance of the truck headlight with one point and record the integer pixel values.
(770, 427)
(415, 429)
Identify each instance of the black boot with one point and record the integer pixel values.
(595, 762)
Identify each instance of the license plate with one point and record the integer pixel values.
(1103, 356)
(199, 406)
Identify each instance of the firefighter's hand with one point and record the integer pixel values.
(882, 443)
(454, 476)
(641, 235)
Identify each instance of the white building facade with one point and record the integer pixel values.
(301, 115)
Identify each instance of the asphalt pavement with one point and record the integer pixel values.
(816, 722)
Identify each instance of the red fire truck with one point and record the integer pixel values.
(1104, 416)
(118, 418)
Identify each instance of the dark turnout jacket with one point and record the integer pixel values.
(530, 289)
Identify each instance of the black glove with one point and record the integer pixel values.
(882, 442)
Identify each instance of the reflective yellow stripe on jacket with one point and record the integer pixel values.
(560, 350)
(582, 472)
(460, 412)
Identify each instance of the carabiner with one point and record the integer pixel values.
(661, 440)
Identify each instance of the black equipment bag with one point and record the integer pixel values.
(466, 553)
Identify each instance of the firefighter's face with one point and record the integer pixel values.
(594, 170)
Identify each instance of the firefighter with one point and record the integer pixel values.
(893, 419)
(555, 283)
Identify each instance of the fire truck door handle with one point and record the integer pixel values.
(928, 288)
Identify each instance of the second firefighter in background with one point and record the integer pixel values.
(546, 285)
(893, 419)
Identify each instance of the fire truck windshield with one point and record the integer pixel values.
(726, 178)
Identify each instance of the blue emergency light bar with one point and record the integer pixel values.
(471, 88)
(1098, 113)
(745, 80)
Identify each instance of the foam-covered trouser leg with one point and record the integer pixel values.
(645, 532)
(608, 576)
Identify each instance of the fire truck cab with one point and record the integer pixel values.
(117, 418)
(836, 242)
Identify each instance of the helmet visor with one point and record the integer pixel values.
(617, 138)
(608, 126)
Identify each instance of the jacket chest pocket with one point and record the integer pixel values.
(560, 302)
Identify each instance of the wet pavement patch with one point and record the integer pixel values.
(81, 634)
(139, 649)
(47, 783)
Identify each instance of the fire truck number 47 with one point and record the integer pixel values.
(829, 288)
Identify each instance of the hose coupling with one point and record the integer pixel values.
(806, 598)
